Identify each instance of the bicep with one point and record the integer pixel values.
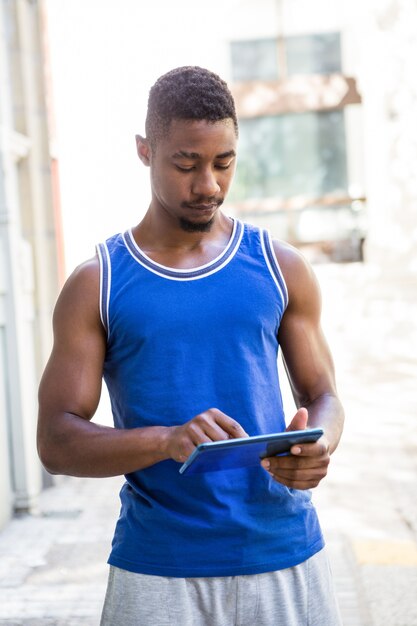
(305, 351)
(71, 382)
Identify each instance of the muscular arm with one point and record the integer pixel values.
(310, 371)
(306, 354)
(68, 442)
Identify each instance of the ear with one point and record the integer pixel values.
(143, 149)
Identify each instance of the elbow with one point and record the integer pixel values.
(49, 451)
(47, 458)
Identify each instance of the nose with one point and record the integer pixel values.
(205, 183)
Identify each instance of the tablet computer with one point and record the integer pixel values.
(246, 451)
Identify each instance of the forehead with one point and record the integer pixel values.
(200, 136)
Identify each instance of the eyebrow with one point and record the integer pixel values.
(183, 154)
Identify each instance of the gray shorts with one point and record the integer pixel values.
(298, 596)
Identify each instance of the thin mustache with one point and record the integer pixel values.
(202, 204)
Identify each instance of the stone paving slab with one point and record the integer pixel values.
(53, 565)
(47, 622)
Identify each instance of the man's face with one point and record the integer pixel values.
(191, 171)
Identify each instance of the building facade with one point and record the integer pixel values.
(29, 255)
(326, 93)
(300, 168)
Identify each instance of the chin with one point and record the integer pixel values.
(196, 227)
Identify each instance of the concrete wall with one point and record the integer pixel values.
(388, 45)
(28, 274)
(6, 493)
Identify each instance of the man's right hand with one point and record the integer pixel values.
(211, 425)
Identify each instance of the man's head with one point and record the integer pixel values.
(187, 93)
(190, 147)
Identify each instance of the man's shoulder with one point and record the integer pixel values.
(86, 271)
(83, 284)
(77, 306)
(296, 269)
(288, 255)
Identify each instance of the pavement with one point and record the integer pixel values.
(53, 562)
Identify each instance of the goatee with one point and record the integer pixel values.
(196, 227)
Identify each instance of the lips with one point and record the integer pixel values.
(203, 207)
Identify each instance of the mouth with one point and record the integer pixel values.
(203, 207)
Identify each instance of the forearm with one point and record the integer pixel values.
(326, 412)
(77, 447)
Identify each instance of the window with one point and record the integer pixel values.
(273, 59)
(313, 54)
(295, 115)
(254, 60)
(291, 154)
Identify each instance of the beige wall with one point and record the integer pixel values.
(389, 83)
(5, 461)
(28, 275)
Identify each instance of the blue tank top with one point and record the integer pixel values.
(181, 341)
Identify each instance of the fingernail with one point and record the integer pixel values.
(266, 465)
(296, 450)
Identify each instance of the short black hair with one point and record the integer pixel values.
(187, 93)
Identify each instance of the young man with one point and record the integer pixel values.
(183, 315)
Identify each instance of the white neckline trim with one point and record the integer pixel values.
(193, 273)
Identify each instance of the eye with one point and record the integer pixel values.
(185, 169)
(221, 166)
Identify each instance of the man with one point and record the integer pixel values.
(183, 315)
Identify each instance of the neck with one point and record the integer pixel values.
(156, 233)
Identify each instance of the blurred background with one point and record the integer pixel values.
(326, 94)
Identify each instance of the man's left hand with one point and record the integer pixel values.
(307, 463)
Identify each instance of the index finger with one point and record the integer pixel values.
(231, 427)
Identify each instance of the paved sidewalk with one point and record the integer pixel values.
(53, 565)
(368, 504)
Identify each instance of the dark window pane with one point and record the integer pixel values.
(313, 54)
(292, 154)
(254, 60)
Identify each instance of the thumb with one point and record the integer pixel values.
(299, 421)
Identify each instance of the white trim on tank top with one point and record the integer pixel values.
(193, 273)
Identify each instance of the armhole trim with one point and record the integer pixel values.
(273, 266)
(105, 282)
